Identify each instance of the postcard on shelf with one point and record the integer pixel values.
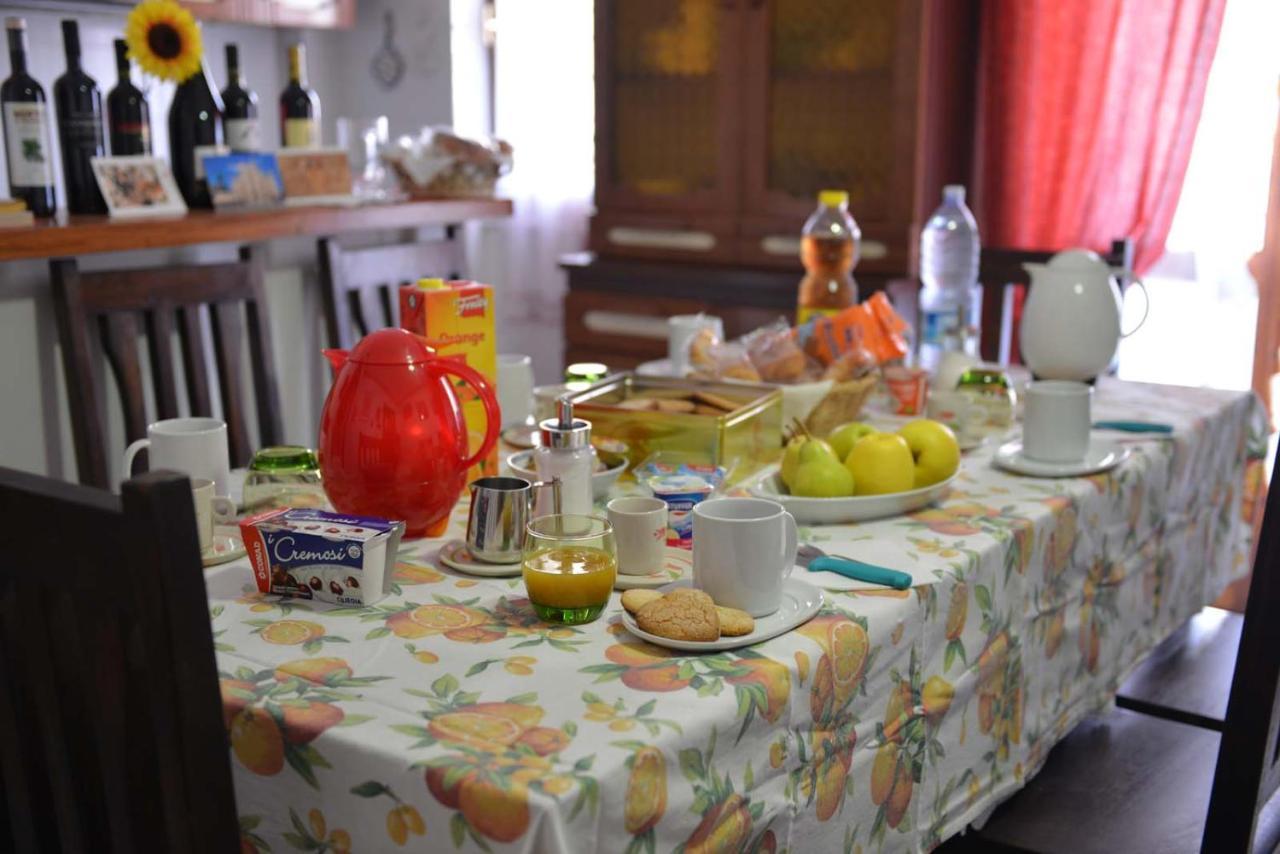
(137, 186)
(316, 176)
(244, 180)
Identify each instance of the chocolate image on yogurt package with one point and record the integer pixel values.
(316, 554)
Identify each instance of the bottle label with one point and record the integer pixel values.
(301, 133)
(804, 315)
(82, 131)
(242, 134)
(937, 326)
(26, 136)
(140, 130)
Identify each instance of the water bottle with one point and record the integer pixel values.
(949, 249)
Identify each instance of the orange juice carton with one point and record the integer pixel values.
(457, 319)
(315, 554)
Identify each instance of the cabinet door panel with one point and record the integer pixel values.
(665, 90)
(830, 103)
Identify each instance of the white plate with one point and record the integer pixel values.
(800, 601)
(1101, 456)
(857, 508)
(521, 465)
(455, 554)
(677, 564)
(225, 547)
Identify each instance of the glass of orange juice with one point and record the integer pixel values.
(570, 563)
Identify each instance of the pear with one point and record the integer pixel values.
(803, 449)
(844, 437)
(822, 477)
(791, 458)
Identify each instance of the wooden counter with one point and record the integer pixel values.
(84, 235)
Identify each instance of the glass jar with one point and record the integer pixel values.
(283, 476)
(991, 393)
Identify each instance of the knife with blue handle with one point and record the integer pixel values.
(814, 559)
(1134, 427)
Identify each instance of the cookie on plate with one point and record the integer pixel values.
(689, 616)
(734, 623)
(635, 599)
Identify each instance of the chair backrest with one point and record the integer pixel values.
(360, 286)
(125, 305)
(1248, 771)
(1004, 285)
(111, 731)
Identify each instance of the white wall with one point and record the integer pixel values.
(34, 428)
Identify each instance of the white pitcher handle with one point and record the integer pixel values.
(791, 543)
(1146, 307)
(131, 452)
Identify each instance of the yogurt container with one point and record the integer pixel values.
(680, 492)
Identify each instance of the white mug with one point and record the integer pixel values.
(742, 550)
(640, 531)
(196, 447)
(680, 331)
(515, 388)
(1056, 422)
(205, 501)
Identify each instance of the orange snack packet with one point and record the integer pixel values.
(873, 324)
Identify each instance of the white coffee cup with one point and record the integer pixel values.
(205, 501)
(640, 531)
(1056, 422)
(742, 550)
(196, 447)
(515, 388)
(680, 331)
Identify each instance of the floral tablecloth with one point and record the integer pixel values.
(446, 717)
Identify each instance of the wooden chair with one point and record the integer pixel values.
(1126, 781)
(111, 730)
(360, 286)
(125, 305)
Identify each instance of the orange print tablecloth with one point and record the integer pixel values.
(446, 717)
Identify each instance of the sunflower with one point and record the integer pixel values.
(164, 39)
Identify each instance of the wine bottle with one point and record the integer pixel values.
(79, 106)
(299, 105)
(195, 129)
(128, 116)
(26, 128)
(240, 116)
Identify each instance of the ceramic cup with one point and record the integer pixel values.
(196, 447)
(680, 331)
(1055, 427)
(742, 550)
(640, 529)
(515, 388)
(202, 493)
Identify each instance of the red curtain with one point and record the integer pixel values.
(1087, 111)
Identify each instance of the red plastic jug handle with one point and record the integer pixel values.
(492, 416)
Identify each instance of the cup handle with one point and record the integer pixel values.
(223, 507)
(791, 539)
(1146, 306)
(131, 452)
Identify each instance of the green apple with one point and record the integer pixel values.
(844, 437)
(803, 449)
(881, 463)
(934, 448)
(822, 478)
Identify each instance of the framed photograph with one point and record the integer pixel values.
(316, 176)
(246, 180)
(137, 187)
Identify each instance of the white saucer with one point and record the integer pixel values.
(455, 554)
(800, 601)
(1101, 456)
(225, 547)
(677, 564)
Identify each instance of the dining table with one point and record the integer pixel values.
(448, 717)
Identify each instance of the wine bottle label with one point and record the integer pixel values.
(242, 134)
(140, 130)
(26, 134)
(82, 131)
(301, 133)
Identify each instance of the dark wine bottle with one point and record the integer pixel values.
(299, 105)
(79, 106)
(240, 105)
(26, 128)
(195, 129)
(128, 116)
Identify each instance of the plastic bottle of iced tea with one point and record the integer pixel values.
(828, 249)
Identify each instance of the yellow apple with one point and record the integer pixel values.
(844, 437)
(934, 448)
(881, 463)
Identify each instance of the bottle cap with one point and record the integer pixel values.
(564, 431)
(431, 284)
(833, 198)
(954, 192)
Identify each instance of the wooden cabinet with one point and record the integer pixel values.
(277, 13)
(719, 120)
